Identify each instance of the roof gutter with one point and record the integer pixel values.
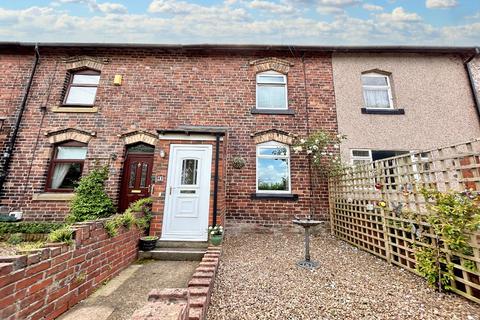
(473, 87)
(7, 156)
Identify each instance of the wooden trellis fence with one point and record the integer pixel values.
(357, 216)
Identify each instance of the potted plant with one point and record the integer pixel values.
(216, 234)
(148, 243)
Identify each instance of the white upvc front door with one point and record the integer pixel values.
(187, 197)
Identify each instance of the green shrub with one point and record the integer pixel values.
(28, 227)
(64, 234)
(127, 219)
(111, 227)
(91, 201)
(141, 205)
(15, 239)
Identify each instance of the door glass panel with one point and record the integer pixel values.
(143, 177)
(189, 171)
(133, 175)
(188, 191)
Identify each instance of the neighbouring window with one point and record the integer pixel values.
(389, 173)
(377, 92)
(273, 168)
(365, 155)
(361, 156)
(66, 166)
(82, 88)
(271, 90)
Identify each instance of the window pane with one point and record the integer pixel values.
(86, 79)
(374, 81)
(273, 174)
(81, 95)
(271, 97)
(143, 177)
(272, 151)
(71, 153)
(189, 171)
(271, 79)
(66, 175)
(133, 175)
(376, 98)
(361, 153)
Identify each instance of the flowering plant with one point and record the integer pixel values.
(216, 230)
(323, 147)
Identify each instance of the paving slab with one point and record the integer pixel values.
(120, 297)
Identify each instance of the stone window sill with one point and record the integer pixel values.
(74, 109)
(52, 196)
(288, 112)
(382, 111)
(274, 196)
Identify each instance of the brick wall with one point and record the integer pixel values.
(164, 90)
(47, 282)
(15, 68)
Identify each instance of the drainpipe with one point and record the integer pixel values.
(468, 68)
(7, 156)
(215, 179)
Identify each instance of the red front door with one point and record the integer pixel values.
(136, 182)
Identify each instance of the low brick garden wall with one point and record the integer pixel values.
(49, 281)
(184, 303)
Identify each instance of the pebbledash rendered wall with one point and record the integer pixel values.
(47, 282)
(432, 89)
(165, 89)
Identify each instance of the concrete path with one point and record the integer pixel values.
(127, 292)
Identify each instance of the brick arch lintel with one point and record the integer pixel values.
(139, 136)
(273, 135)
(379, 71)
(85, 62)
(271, 64)
(69, 134)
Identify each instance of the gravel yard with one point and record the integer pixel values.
(258, 279)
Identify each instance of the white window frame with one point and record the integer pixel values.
(361, 158)
(269, 145)
(388, 87)
(276, 84)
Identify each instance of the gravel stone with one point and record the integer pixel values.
(258, 279)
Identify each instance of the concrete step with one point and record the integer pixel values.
(182, 244)
(173, 254)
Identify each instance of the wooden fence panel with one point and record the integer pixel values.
(368, 202)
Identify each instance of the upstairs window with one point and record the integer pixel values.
(273, 168)
(66, 166)
(377, 92)
(271, 91)
(82, 88)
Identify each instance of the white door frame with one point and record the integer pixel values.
(200, 232)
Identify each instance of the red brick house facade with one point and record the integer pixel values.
(154, 102)
(15, 68)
